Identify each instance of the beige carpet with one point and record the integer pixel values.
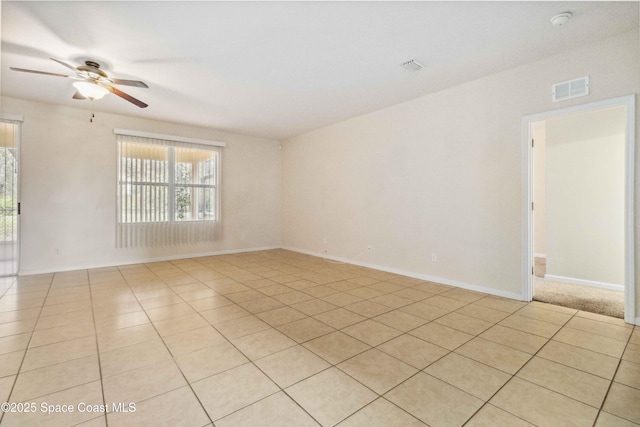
(587, 298)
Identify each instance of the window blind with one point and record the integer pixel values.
(168, 192)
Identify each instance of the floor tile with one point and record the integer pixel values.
(210, 361)
(210, 303)
(280, 316)
(193, 340)
(549, 316)
(313, 307)
(414, 351)
(134, 356)
(62, 333)
(50, 379)
(293, 297)
(234, 389)
(117, 338)
(425, 311)
(289, 366)
(260, 305)
(590, 341)
(606, 419)
(170, 311)
(179, 324)
(622, 401)
(330, 396)
(571, 382)
(371, 332)
(216, 314)
(340, 299)
(336, 347)
(366, 292)
(483, 313)
(464, 295)
(532, 326)
(377, 370)
(142, 383)
(51, 354)
(475, 378)
(433, 401)
(444, 303)
(121, 321)
(502, 304)
(608, 330)
(339, 318)
(470, 325)
(579, 358)
(506, 359)
(89, 394)
(541, 406)
(513, 338)
(237, 328)
(305, 329)
(442, 336)
(628, 374)
(275, 410)
(490, 416)
(632, 353)
(392, 300)
(264, 343)
(175, 408)
(368, 308)
(14, 343)
(17, 327)
(381, 413)
(400, 320)
(223, 314)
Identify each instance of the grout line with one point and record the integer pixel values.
(24, 356)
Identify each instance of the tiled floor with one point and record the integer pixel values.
(277, 338)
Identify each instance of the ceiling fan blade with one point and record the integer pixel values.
(135, 83)
(78, 95)
(126, 96)
(71, 67)
(41, 72)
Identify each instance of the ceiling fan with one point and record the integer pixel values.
(93, 83)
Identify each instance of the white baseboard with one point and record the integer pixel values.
(144, 260)
(637, 321)
(540, 256)
(592, 283)
(458, 284)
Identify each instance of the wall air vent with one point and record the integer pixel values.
(570, 89)
(412, 65)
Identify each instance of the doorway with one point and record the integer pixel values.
(579, 208)
(9, 196)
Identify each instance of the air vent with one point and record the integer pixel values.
(570, 89)
(412, 65)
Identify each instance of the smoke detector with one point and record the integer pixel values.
(561, 19)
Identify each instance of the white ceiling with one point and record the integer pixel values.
(278, 69)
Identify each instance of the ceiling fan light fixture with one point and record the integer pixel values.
(91, 90)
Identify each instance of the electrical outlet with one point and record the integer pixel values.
(434, 257)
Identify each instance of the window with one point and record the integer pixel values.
(168, 191)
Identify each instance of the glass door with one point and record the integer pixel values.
(9, 202)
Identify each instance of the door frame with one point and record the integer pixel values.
(527, 199)
(17, 119)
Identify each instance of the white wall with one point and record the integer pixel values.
(539, 197)
(68, 189)
(585, 196)
(441, 173)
